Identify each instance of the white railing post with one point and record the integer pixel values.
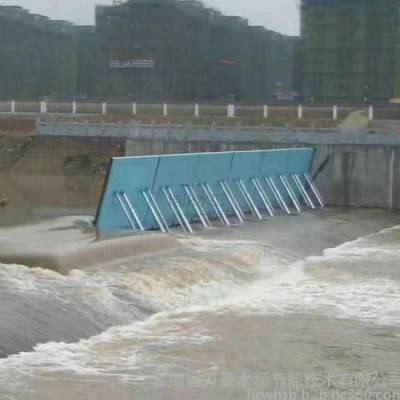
(335, 113)
(371, 113)
(196, 110)
(230, 112)
(74, 108)
(13, 108)
(134, 108)
(165, 110)
(43, 107)
(104, 108)
(300, 112)
(265, 111)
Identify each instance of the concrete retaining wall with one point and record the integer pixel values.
(236, 134)
(62, 166)
(353, 167)
(359, 175)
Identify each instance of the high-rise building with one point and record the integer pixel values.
(146, 50)
(181, 50)
(351, 50)
(37, 55)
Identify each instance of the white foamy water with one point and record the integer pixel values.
(207, 301)
(357, 280)
(38, 305)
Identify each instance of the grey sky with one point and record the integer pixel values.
(279, 15)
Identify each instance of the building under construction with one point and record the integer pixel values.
(146, 50)
(350, 50)
(37, 55)
(181, 50)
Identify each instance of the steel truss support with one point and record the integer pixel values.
(277, 194)
(290, 192)
(203, 211)
(263, 196)
(132, 210)
(249, 200)
(196, 206)
(210, 200)
(180, 211)
(215, 203)
(302, 190)
(126, 212)
(129, 211)
(173, 208)
(314, 189)
(155, 210)
(231, 201)
(239, 208)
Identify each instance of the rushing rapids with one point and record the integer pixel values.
(219, 319)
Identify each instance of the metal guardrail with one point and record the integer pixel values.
(263, 111)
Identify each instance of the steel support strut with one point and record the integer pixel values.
(200, 205)
(179, 208)
(218, 205)
(239, 208)
(155, 211)
(195, 206)
(263, 196)
(231, 201)
(277, 194)
(210, 200)
(126, 212)
(249, 199)
(172, 206)
(290, 192)
(303, 191)
(314, 189)
(132, 210)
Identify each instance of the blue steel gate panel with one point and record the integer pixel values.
(133, 175)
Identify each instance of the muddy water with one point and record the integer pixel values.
(303, 308)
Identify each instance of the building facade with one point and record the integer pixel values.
(144, 50)
(37, 55)
(350, 50)
(181, 50)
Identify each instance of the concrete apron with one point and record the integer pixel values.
(69, 243)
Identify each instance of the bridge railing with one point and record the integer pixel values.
(262, 111)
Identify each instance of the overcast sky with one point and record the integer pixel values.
(279, 15)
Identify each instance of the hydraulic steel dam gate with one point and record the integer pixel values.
(159, 192)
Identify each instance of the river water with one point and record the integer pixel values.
(307, 311)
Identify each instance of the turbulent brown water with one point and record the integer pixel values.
(239, 315)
